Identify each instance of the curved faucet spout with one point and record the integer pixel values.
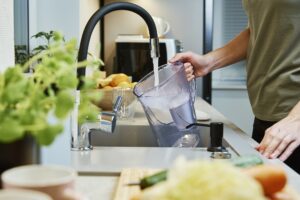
(80, 139)
(98, 15)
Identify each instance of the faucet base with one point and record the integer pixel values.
(89, 148)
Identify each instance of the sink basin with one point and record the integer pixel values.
(126, 136)
(129, 135)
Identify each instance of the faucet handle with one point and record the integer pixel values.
(108, 120)
(117, 104)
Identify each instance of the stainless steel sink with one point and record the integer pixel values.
(138, 136)
(126, 136)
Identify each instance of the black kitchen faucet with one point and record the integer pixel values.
(80, 134)
(98, 15)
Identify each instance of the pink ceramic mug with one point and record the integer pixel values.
(56, 181)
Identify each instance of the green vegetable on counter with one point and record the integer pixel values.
(246, 161)
(153, 179)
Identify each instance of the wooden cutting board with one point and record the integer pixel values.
(131, 175)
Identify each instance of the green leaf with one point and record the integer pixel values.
(47, 135)
(10, 130)
(88, 114)
(57, 36)
(15, 91)
(67, 82)
(89, 83)
(87, 110)
(40, 48)
(64, 104)
(40, 34)
(13, 74)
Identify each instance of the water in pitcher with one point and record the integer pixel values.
(169, 106)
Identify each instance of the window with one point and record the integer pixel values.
(21, 32)
(229, 20)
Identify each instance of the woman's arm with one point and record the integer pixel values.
(200, 65)
(234, 51)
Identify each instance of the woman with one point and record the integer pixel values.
(271, 46)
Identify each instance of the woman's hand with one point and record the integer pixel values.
(282, 138)
(195, 65)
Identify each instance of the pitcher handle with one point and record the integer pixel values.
(193, 88)
(168, 27)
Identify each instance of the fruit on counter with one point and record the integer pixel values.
(124, 84)
(104, 82)
(115, 81)
(112, 76)
(119, 78)
(272, 178)
(107, 87)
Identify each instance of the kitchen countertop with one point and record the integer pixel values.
(100, 168)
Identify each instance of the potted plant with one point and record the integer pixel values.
(28, 101)
(22, 54)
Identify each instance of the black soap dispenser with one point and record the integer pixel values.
(216, 139)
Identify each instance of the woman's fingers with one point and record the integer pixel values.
(183, 57)
(272, 146)
(289, 150)
(191, 77)
(270, 141)
(188, 68)
(264, 143)
(285, 142)
(189, 71)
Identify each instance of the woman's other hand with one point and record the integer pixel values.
(281, 139)
(195, 65)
